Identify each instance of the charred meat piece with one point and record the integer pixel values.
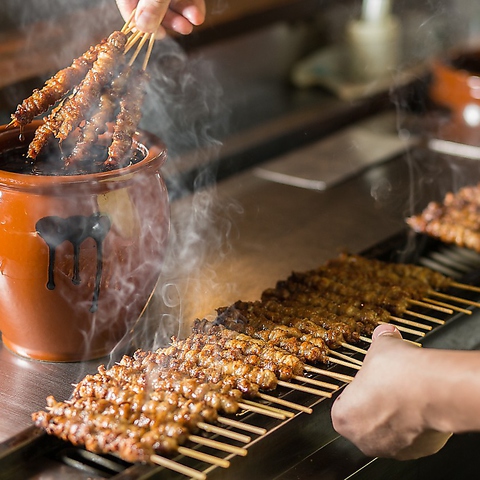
(127, 120)
(134, 429)
(97, 124)
(74, 109)
(306, 347)
(55, 88)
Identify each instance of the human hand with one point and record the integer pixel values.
(155, 16)
(383, 410)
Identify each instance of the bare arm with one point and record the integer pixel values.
(406, 401)
(154, 16)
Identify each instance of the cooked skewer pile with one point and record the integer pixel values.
(153, 403)
(455, 220)
(100, 88)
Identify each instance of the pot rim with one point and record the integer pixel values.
(445, 61)
(150, 145)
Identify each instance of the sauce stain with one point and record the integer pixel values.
(56, 230)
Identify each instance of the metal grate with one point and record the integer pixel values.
(283, 424)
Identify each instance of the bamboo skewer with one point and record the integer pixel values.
(302, 388)
(149, 51)
(328, 373)
(129, 26)
(341, 362)
(412, 342)
(139, 47)
(411, 323)
(129, 29)
(353, 347)
(132, 41)
(255, 408)
(285, 413)
(128, 23)
(455, 299)
(433, 307)
(223, 431)
(313, 381)
(204, 457)
(346, 357)
(178, 467)
(295, 386)
(453, 307)
(224, 447)
(425, 317)
(465, 286)
(286, 403)
(408, 330)
(241, 426)
(141, 38)
(369, 340)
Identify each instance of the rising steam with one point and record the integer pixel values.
(185, 109)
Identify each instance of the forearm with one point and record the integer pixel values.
(452, 385)
(406, 401)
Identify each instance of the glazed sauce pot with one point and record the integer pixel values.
(456, 85)
(80, 255)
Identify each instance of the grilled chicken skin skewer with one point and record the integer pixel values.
(54, 89)
(149, 376)
(97, 124)
(63, 120)
(454, 221)
(127, 120)
(137, 428)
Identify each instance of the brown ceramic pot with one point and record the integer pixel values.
(79, 254)
(456, 85)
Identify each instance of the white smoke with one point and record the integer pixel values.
(186, 110)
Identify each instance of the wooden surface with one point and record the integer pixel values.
(44, 47)
(223, 12)
(41, 48)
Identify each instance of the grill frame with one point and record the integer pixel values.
(310, 435)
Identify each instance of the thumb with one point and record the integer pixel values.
(150, 14)
(386, 329)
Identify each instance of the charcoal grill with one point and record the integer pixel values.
(276, 447)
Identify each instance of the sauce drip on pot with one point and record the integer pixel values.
(56, 230)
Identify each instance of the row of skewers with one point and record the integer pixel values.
(94, 105)
(151, 405)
